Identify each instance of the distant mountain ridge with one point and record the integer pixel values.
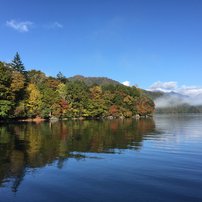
(94, 80)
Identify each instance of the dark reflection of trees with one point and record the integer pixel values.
(27, 146)
(12, 158)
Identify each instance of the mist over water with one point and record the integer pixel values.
(174, 100)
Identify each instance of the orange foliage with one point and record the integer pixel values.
(113, 110)
(144, 106)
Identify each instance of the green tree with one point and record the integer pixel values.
(77, 97)
(17, 64)
(5, 107)
(5, 81)
(61, 77)
(5, 92)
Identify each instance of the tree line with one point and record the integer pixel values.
(30, 94)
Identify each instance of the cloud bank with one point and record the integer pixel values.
(23, 26)
(172, 86)
(176, 95)
(163, 86)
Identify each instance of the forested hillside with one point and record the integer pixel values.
(93, 80)
(30, 94)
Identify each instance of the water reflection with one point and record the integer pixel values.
(24, 147)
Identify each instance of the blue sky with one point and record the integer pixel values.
(140, 41)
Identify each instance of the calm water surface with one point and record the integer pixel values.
(118, 160)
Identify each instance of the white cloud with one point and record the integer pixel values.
(190, 90)
(55, 25)
(126, 83)
(164, 86)
(23, 26)
(172, 86)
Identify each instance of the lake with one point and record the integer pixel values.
(157, 159)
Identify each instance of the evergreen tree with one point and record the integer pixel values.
(17, 64)
(61, 77)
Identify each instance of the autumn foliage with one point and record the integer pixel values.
(30, 94)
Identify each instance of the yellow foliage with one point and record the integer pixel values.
(34, 99)
(18, 81)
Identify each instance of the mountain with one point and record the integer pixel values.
(89, 81)
(157, 94)
(153, 94)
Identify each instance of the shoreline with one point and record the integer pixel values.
(55, 119)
